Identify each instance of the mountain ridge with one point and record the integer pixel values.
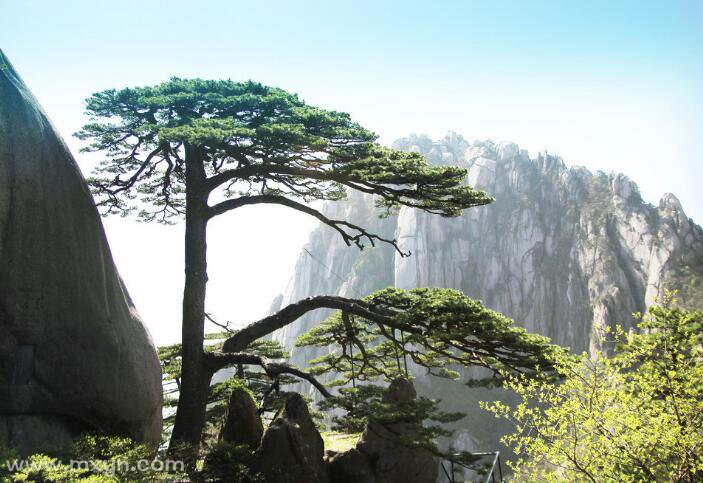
(562, 251)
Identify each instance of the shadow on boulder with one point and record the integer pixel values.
(243, 424)
(292, 449)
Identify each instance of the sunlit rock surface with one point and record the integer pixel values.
(74, 354)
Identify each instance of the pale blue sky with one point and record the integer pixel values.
(611, 85)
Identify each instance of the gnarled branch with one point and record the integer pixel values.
(341, 226)
(241, 339)
(218, 360)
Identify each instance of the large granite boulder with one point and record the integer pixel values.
(243, 424)
(292, 449)
(74, 354)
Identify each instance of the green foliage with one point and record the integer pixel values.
(365, 403)
(276, 143)
(435, 328)
(252, 380)
(439, 330)
(229, 462)
(637, 416)
(43, 468)
(93, 459)
(339, 442)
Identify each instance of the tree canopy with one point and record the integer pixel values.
(253, 141)
(438, 329)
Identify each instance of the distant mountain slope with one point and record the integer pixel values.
(562, 251)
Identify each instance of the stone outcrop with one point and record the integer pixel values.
(292, 449)
(562, 251)
(243, 424)
(350, 466)
(74, 354)
(382, 454)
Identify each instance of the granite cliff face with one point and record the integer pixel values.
(74, 354)
(562, 251)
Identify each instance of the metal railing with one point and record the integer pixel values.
(490, 476)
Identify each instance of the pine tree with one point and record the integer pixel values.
(197, 149)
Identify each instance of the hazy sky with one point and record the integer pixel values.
(614, 86)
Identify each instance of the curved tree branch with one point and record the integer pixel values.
(219, 360)
(395, 189)
(340, 226)
(241, 339)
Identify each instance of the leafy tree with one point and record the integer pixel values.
(198, 149)
(637, 416)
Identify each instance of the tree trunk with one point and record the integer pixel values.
(195, 376)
